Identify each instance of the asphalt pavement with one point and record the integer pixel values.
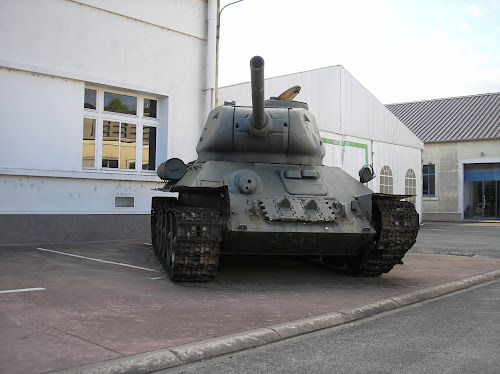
(458, 333)
(471, 239)
(108, 307)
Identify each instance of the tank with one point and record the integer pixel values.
(259, 187)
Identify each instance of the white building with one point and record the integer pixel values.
(93, 96)
(356, 128)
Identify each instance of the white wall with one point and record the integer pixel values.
(40, 122)
(399, 159)
(41, 153)
(172, 14)
(364, 115)
(150, 46)
(49, 51)
(45, 195)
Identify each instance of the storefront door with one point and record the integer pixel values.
(481, 191)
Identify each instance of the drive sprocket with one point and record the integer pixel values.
(397, 225)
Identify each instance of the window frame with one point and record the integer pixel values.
(427, 176)
(94, 118)
(411, 185)
(139, 120)
(384, 186)
(145, 97)
(120, 141)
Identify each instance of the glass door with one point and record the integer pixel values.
(475, 209)
(483, 200)
(482, 190)
(490, 199)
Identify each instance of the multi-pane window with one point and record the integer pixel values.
(88, 156)
(411, 185)
(429, 180)
(386, 180)
(114, 126)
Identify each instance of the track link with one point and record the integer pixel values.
(398, 230)
(188, 244)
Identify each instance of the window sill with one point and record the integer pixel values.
(120, 175)
(430, 198)
(85, 174)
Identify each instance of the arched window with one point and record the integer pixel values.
(386, 183)
(411, 185)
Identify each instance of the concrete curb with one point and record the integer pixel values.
(226, 344)
(193, 352)
(306, 325)
(141, 364)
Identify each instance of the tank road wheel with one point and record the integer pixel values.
(169, 249)
(155, 227)
(161, 234)
(188, 244)
(166, 242)
(397, 226)
(158, 207)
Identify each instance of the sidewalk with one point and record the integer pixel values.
(87, 311)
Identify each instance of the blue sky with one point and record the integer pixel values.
(400, 50)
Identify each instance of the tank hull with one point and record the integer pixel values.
(283, 201)
(277, 209)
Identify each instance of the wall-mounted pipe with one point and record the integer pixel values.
(211, 56)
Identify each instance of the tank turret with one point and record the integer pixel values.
(259, 186)
(272, 131)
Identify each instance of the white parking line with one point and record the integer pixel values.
(98, 260)
(156, 278)
(24, 290)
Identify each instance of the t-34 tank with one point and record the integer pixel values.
(259, 187)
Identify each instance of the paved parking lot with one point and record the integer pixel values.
(65, 305)
(472, 239)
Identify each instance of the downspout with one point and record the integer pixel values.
(217, 56)
(211, 56)
(421, 205)
(219, 12)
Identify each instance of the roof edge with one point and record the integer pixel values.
(444, 98)
(288, 74)
(461, 140)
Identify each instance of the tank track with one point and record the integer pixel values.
(194, 241)
(398, 227)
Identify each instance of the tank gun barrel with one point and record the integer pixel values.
(257, 83)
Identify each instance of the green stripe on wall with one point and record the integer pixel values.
(348, 144)
(330, 141)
